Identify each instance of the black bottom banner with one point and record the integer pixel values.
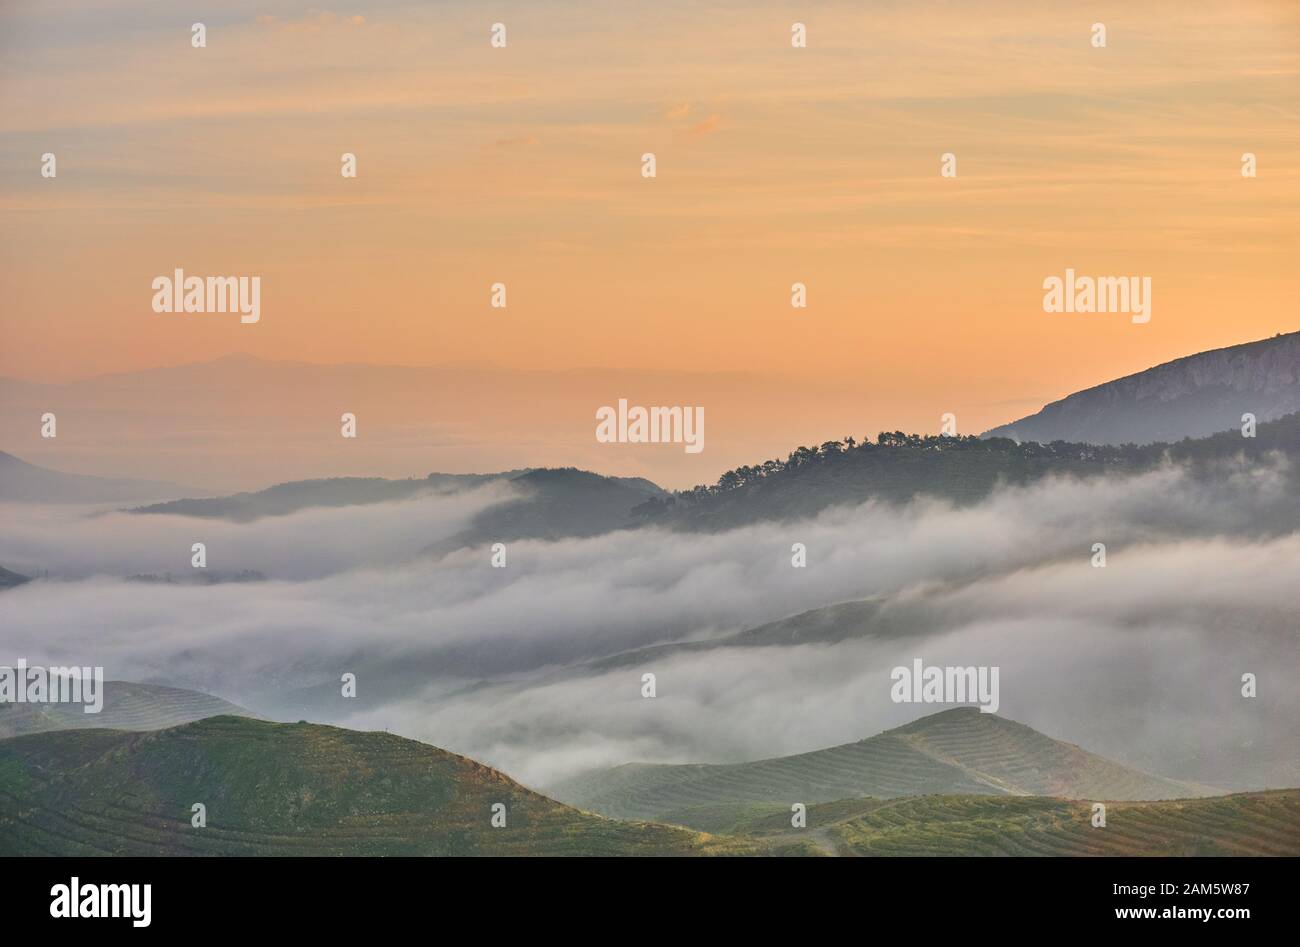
(333, 896)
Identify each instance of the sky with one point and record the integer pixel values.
(775, 165)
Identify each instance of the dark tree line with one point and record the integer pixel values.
(1278, 434)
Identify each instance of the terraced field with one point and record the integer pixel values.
(290, 789)
(955, 752)
(127, 706)
(1266, 823)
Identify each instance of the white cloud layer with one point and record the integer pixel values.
(1141, 660)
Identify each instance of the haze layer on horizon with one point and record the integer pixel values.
(522, 165)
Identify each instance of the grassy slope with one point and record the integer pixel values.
(282, 789)
(1266, 823)
(303, 789)
(959, 751)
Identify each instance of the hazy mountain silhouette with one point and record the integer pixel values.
(22, 482)
(285, 498)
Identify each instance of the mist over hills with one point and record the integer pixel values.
(535, 668)
(961, 550)
(1193, 396)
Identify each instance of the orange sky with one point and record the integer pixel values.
(775, 165)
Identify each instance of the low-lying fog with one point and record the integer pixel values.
(1141, 660)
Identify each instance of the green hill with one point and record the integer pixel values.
(127, 706)
(304, 789)
(289, 789)
(957, 752)
(1265, 823)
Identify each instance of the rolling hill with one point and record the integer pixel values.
(1188, 397)
(302, 789)
(955, 752)
(1265, 823)
(127, 706)
(290, 789)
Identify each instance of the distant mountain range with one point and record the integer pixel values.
(210, 423)
(21, 482)
(1193, 397)
(957, 752)
(1189, 397)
